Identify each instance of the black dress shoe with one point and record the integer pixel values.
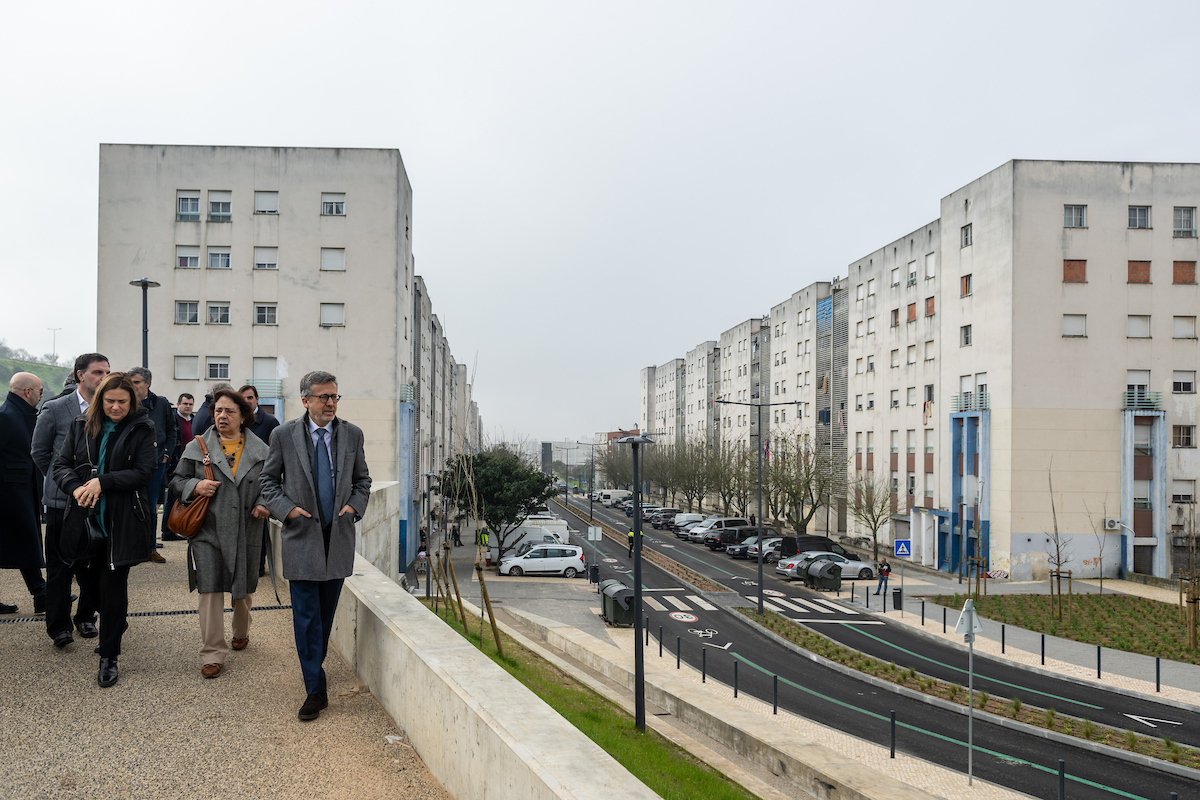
(39, 604)
(6, 608)
(62, 639)
(88, 630)
(108, 672)
(312, 706)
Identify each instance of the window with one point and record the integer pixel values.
(218, 368)
(870, 287)
(333, 259)
(219, 258)
(964, 336)
(965, 285)
(187, 206)
(1074, 325)
(912, 273)
(1183, 491)
(858, 366)
(333, 315)
(1183, 382)
(187, 312)
(895, 317)
(870, 325)
(333, 204)
(928, 399)
(870, 363)
(912, 354)
(1141, 494)
(895, 398)
(220, 206)
(266, 202)
(187, 257)
(1139, 216)
(929, 306)
(1137, 381)
(930, 351)
(965, 236)
(895, 276)
(1185, 223)
(218, 313)
(895, 358)
(266, 314)
(1183, 328)
(1139, 272)
(187, 368)
(1138, 326)
(929, 267)
(1074, 216)
(912, 312)
(870, 399)
(1185, 272)
(1183, 436)
(1074, 271)
(858, 402)
(858, 329)
(910, 395)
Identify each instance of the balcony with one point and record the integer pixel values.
(1140, 399)
(1185, 233)
(220, 217)
(970, 401)
(267, 387)
(187, 217)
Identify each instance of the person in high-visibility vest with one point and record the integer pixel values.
(631, 542)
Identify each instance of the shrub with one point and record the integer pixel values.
(983, 699)
(1049, 717)
(1016, 706)
(954, 689)
(1131, 741)
(1089, 729)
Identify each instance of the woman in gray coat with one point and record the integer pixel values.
(224, 556)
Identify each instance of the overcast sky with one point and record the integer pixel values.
(597, 186)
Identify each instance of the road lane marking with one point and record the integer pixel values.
(1151, 720)
(650, 601)
(849, 621)
(675, 601)
(808, 604)
(834, 606)
(786, 604)
(700, 601)
(683, 616)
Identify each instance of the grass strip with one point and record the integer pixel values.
(1012, 707)
(667, 769)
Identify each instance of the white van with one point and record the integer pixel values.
(610, 497)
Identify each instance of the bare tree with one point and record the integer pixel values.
(871, 503)
(1101, 536)
(802, 480)
(1061, 556)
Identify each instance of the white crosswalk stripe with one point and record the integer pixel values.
(650, 601)
(786, 604)
(811, 606)
(701, 602)
(766, 603)
(834, 606)
(675, 601)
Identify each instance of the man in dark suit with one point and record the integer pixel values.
(316, 483)
(20, 535)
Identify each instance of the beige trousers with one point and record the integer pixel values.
(213, 647)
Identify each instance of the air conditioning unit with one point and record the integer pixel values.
(1112, 524)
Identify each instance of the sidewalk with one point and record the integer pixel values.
(165, 732)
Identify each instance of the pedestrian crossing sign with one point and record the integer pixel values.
(903, 548)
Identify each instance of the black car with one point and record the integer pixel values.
(730, 536)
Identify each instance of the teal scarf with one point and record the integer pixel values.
(105, 432)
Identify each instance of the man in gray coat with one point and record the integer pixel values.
(316, 483)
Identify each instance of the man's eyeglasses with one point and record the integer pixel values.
(326, 398)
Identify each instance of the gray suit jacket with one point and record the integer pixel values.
(287, 482)
(52, 425)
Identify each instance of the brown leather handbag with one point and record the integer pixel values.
(186, 520)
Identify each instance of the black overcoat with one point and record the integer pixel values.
(20, 534)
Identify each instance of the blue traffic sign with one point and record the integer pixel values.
(903, 548)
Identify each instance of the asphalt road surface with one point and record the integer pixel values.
(716, 639)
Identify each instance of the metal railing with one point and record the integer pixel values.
(193, 217)
(1137, 399)
(267, 387)
(970, 401)
(220, 217)
(406, 394)
(1185, 233)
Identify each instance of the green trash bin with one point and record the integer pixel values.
(617, 604)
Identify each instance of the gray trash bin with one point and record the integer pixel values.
(617, 604)
(897, 599)
(827, 577)
(594, 574)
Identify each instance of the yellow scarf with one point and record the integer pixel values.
(233, 452)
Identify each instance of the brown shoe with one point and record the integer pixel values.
(156, 558)
(210, 670)
(240, 644)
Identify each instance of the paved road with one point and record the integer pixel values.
(715, 639)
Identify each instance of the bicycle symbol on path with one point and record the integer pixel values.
(707, 633)
(750, 583)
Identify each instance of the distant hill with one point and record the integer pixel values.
(52, 377)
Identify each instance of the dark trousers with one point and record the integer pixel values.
(34, 581)
(154, 491)
(58, 582)
(313, 606)
(111, 587)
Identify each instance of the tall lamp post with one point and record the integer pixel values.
(429, 476)
(639, 665)
(567, 474)
(146, 285)
(54, 342)
(760, 407)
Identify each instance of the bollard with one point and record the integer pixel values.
(735, 663)
(1043, 649)
(893, 734)
(1062, 780)
(775, 710)
(703, 665)
(1174, 795)
(1097, 662)
(866, 598)
(943, 620)
(1002, 637)
(676, 652)
(922, 613)
(647, 626)
(1157, 674)
(660, 641)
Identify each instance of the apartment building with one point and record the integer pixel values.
(670, 384)
(741, 378)
(702, 365)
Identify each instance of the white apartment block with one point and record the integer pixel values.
(1041, 330)
(741, 377)
(667, 424)
(702, 365)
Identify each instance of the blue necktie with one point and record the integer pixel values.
(324, 476)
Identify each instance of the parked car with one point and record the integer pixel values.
(646, 509)
(679, 520)
(715, 524)
(807, 542)
(663, 516)
(682, 531)
(728, 536)
(544, 559)
(770, 549)
(742, 548)
(851, 567)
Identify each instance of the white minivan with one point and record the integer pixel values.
(546, 559)
(610, 497)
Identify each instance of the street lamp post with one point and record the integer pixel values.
(429, 476)
(146, 285)
(760, 407)
(639, 665)
(54, 342)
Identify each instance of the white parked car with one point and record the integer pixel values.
(546, 559)
(851, 568)
(770, 549)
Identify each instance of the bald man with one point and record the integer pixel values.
(20, 534)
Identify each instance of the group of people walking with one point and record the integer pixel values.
(95, 461)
